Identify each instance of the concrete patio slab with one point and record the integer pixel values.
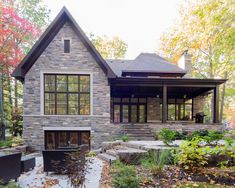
(37, 178)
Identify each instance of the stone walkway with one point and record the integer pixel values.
(37, 178)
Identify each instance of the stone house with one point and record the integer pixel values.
(73, 96)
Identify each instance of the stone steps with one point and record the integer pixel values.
(106, 157)
(138, 132)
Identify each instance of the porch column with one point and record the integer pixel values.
(164, 104)
(216, 105)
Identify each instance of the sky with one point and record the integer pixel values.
(139, 23)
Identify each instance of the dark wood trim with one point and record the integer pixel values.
(67, 92)
(152, 73)
(164, 104)
(170, 82)
(45, 39)
(192, 108)
(129, 104)
(216, 105)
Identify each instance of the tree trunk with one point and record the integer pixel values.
(222, 99)
(2, 127)
(16, 93)
(9, 91)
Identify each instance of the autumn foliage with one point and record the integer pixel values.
(14, 32)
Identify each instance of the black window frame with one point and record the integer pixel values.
(122, 103)
(67, 46)
(67, 92)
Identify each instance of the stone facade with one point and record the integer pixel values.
(79, 60)
(153, 110)
(186, 126)
(198, 104)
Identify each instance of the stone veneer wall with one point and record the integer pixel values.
(187, 126)
(78, 60)
(198, 104)
(153, 109)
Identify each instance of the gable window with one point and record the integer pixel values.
(66, 46)
(66, 94)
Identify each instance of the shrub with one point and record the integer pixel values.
(124, 176)
(213, 136)
(125, 138)
(5, 143)
(190, 154)
(155, 161)
(200, 133)
(167, 136)
(9, 185)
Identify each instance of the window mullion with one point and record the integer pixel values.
(55, 94)
(67, 96)
(78, 95)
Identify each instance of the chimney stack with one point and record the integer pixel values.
(185, 62)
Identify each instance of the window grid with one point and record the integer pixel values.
(67, 93)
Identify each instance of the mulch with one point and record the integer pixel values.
(174, 176)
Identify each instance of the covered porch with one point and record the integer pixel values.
(161, 100)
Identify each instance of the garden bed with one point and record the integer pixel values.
(174, 176)
(201, 160)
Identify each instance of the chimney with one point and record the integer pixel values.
(185, 63)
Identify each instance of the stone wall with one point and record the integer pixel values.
(153, 109)
(186, 126)
(198, 104)
(77, 61)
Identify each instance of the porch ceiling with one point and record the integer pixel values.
(151, 87)
(172, 92)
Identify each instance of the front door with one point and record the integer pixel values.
(66, 139)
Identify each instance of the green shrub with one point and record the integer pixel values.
(10, 185)
(5, 143)
(213, 136)
(200, 133)
(190, 154)
(124, 176)
(125, 138)
(155, 161)
(11, 141)
(167, 136)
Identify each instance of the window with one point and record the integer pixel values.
(66, 46)
(66, 139)
(179, 109)
(128, 110)
(66, 94)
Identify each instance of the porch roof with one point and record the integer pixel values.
(150, 87)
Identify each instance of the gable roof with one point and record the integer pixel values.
(145, 63)
(47, 37)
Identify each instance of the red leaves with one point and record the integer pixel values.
(15, 35)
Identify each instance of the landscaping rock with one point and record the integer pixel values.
(109, 145)
(21, 148)
(131, 155)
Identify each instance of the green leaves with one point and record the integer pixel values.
(109, 48)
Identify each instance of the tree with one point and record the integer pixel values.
(20, 26)
(109, 48)
(206, 30)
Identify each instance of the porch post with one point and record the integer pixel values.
(216, 105)
(164, 104)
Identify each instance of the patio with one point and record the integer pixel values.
(37, 178)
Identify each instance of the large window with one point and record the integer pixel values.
(129, 110)
(66, 139)
(66, 94)
(179, 109)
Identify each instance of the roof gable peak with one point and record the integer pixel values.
(45, 39)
